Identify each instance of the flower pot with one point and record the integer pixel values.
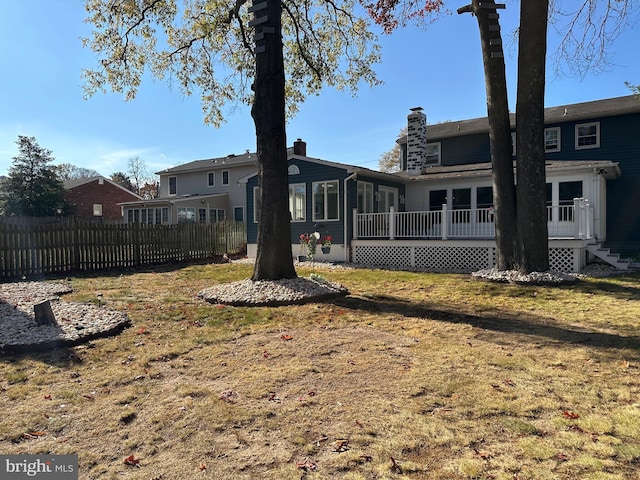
(326, 250)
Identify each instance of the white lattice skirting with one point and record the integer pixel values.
(457, 256)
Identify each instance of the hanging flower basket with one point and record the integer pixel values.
(326, 250)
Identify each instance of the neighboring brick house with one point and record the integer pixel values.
(97, 198)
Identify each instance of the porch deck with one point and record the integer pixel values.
(463, 240)
(564, 222)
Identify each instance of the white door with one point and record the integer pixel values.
(387, 198)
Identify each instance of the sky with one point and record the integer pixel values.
(438, 68)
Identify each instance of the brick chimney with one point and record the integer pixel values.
(300, 148)
(416, 141)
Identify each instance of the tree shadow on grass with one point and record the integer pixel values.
(522, 324)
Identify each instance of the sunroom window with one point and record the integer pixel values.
(325, 200)
(298, 202)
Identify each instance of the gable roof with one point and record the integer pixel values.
(231, 160)
(76, 182)
(559, 114)
(351, 169)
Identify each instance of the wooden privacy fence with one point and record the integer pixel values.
(35, 249)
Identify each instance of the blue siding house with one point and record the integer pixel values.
(601, 135)
(324, 197)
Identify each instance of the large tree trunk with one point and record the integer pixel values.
(504, 201)
(274, 259)
(531, 189)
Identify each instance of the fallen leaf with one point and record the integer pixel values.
(395, 466)
(366, 458)
(625, 364)
(228, 396)
(307, 465)
(203, 467)
(341, 445)
(562, 457)
(482, 455)
(286, 337)
(265, 354)
(131, 460)
(142, 331)
(570, 415)
(511, 383)
(47, 397)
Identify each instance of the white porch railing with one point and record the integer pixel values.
(565, 221)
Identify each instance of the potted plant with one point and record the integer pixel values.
(308, 241)
(325, 244)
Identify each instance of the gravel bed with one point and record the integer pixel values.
(75, 322)
(274, 292)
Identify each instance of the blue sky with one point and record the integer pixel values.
(438, 68)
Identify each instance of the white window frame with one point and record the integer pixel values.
(365, 191)
(211, 179)
(557, 143)
(216, 215)
(225, 173)
(579, 137)
(433, 154)
(97, 209)
(187, 218)
(294, 207)
(175, 186)
(320, 189)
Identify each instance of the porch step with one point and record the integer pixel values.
(611, 258)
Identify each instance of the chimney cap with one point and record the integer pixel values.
(416, 109)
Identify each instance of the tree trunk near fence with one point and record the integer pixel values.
(274, 259)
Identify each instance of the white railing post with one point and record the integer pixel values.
(356, 227)
(392, 223)
(589, 218)
(445, 222)
(578, 218)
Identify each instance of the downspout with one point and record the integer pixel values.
(346, 213)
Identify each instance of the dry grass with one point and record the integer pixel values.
(415, 376)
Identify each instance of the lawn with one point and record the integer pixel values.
(413, 375)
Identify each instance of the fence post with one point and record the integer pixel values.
(445, 222)
(392, 223)
(76, 245)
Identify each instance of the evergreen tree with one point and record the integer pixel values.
(33, 187)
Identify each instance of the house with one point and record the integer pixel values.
(97, 198)
(437, 212)
(203, 191)
(322, 198)
(593, 187)
(577, 137)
